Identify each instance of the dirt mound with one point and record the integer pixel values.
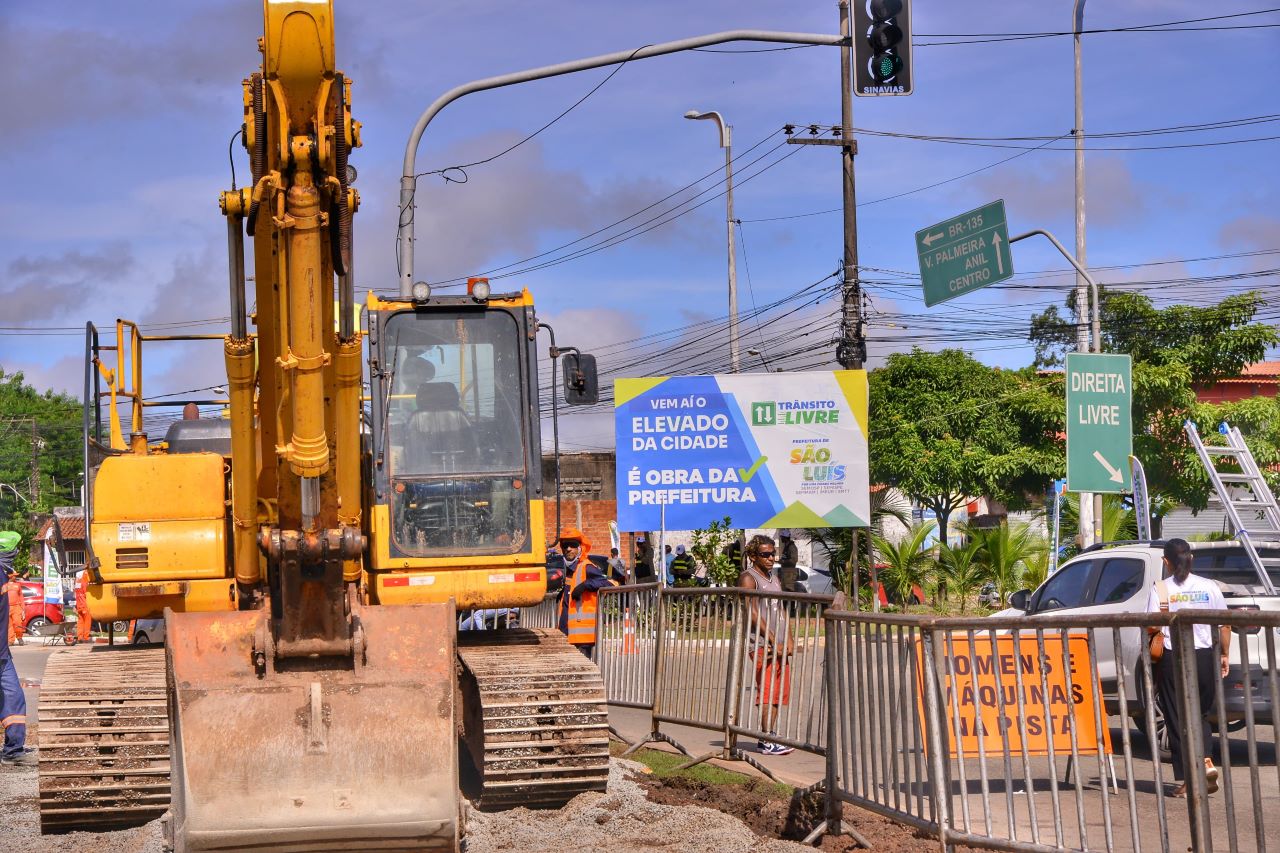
(623, 820)
(770, 813)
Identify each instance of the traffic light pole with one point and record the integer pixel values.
(852, 349)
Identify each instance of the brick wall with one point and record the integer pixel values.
(592, 517)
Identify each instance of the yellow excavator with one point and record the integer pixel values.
(308, 552)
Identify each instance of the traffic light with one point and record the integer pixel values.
(881, 47)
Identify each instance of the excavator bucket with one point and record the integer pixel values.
(314, 756)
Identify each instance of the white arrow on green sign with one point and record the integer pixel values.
(1099, 422)
(964, 253)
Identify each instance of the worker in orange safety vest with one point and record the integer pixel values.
(578, 597)
(10, 591)
(83, 620)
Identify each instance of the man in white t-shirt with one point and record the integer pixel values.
(1181, 590)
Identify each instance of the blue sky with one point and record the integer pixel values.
(120, 114)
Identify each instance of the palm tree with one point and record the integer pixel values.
(1035, 568)
(836, 543)
(1118, 523)
(1003, 552)
(960, 571)
(907, 563)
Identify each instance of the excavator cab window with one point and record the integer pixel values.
(455, 437)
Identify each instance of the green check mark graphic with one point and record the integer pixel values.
(747, 473)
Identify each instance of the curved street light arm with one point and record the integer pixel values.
(408, 177)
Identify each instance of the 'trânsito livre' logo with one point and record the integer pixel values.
(794, 412)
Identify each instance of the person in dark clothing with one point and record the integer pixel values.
(643, 561)
(683, 567)
(788, 557)
(13, 704)
(1181, 590)
(616, 567)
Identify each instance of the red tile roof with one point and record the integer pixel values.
(72, 528)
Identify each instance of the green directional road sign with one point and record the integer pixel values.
(964, 253)
(1099, 422)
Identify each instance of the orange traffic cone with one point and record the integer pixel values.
(628, 633)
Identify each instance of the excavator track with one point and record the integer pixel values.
(536, 724)
(104, 739)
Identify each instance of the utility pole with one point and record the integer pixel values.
(36, 447)
(1090, 505)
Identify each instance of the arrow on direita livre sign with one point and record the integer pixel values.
(929, 239)
(1116, 476)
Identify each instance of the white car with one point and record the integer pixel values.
(1118, 579)
(815, 580)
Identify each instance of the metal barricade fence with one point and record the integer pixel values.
(781, 690)
(1245, 815)
(1042, 733)
(876, 758)
(964, 728)
(700, 658)
(542, 615)
(627, 643)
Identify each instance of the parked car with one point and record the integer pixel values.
(37, 613)
(815, 580)
(1118, 579)
(146, 631)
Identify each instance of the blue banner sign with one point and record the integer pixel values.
(766, 450)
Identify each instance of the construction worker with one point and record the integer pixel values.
(578, 596)
(682, 568)
(84, 622)
(11, 599)
(13, 704)
(788, 557)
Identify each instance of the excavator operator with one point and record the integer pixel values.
(579, 596)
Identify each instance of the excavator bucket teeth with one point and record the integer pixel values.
(313, 755)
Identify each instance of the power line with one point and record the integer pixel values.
(1167, 26)
(611, 225)
(911, 191)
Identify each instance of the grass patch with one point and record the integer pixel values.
(663, 766)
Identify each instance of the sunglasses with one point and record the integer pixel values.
(570, 543)
(766, 555)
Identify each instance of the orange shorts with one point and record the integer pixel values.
(773, 680)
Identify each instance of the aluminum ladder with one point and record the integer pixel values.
(1245, 497)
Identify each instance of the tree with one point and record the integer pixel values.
(36, 430)
(947, 428)
(1175, 349)
(1003, 552)
(836, 543)
(960, 571)
(907, 563)
(1119, 523)
(708, 549)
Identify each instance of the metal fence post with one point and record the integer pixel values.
(835, 809)
(1184, 644)
(733, 678)
(936, 738)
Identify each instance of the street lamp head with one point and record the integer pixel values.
(717, 118)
